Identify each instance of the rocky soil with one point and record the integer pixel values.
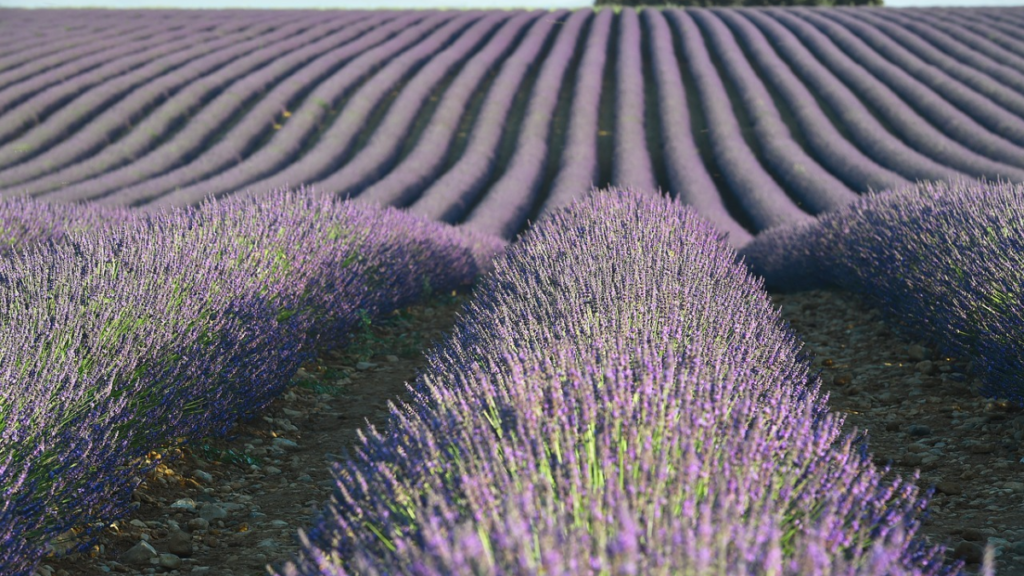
(232, 507)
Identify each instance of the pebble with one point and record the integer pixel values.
(169, 561)
(951, 489)
(187, 504)
(278, 524)
(180, 543)
(203, 476)
(361, 366)
(212, 512)
(911, 460)
(1017, 487)
(919, 430)
(285, 444)
(139, 554)
(198, 524)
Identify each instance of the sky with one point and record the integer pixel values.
(408, 4)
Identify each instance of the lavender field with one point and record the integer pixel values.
(193, 202)
(757, 118)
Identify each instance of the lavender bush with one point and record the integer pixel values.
(169, 327)
(620, 398)
(942, 259)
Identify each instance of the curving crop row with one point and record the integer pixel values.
(866, 131)
(29, 55)
(976, 37)
(456, 190)
(379, 154)
(66, 82)
(631, 161)
(964, 90)
(578, 170)
(987, 72)
(425, 161)
(838, 73)
(816, 189)
(367, 109)
(37, 40)
(765, 202)
(122, 186)
(832, 149)
(389, 65)
(158, 127)
(972, 147)
(363, 80)
(114, 106)
(509, 200)
(995, 28)
(688, 176)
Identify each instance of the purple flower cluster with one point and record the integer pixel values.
(170, 326)
(620, 398)
(942, 259)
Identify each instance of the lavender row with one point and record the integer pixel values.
(988, 111)
(382, 150)
(99, 328)
(969, 44)
(451, 195)
(996, 29)
(156, 131)
(66, 82)
(505, 207)
(620, 398)
(1002, 85)
(170, 161)
(116, 106)
(425, 161)
(765, 202)
(858, 170)
(688, 176)
(943, 260)
(578, 170)
(815, 188)
(631, 161)
(380, 70)
(857, 120)
(300, 116)
(899, 114)
(60, 35)
(25, 56)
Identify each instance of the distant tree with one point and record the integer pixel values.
(739, 3)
